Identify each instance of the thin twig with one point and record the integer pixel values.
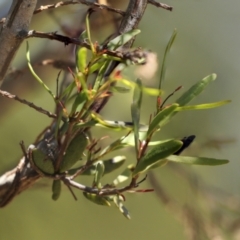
(160, 5)
(32, 105)
(124, 55)
(87, 3)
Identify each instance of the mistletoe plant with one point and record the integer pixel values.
(67, 148)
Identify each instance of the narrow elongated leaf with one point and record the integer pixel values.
(124, 176)
(195, 90)
(157, 154)
(203, 106)
(74, 151)
(119, 89)
(122, 39)
(121, 207)
(98, 174)
(96, 66)
(197, 160)
(163, 69)
(97, 199)
(135, 111)
(161, 118)
(36, 76)
(149, 91)
(100, 75)
(56, 189)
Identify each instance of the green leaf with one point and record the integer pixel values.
(135, 111)
(125, 175)
(97, 199)
(163, 69)
(79, 101)
(157, 154)
(95, 66)
(41, 160)
(88, 32)
(161, 118)
(56, 189)
(114, 163)
(161, 163)
(122, 39)
(116, 125)
(121, 207)
(98, 174)
(36, 76)
(74, 151)
(109, 165)
(81, 58)
(100, 76)
(149, 91)
(118, 144)
(119, 89)
(195, 90)
(197, 160)
(203, 106)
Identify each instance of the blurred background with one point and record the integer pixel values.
(204, 201)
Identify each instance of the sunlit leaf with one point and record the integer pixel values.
(96, 66)
(149, 91)
(97, 199)
(125, 175)
(203, 106)
(119, 89)
(121, 207)
(197, 160)
(156, 154)
(81, 58)
(122, 39)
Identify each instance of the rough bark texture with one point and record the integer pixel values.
(14, 31)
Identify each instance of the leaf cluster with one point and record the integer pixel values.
(68, 149)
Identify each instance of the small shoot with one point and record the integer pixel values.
(36, 76)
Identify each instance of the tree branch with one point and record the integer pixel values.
(14, 31)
